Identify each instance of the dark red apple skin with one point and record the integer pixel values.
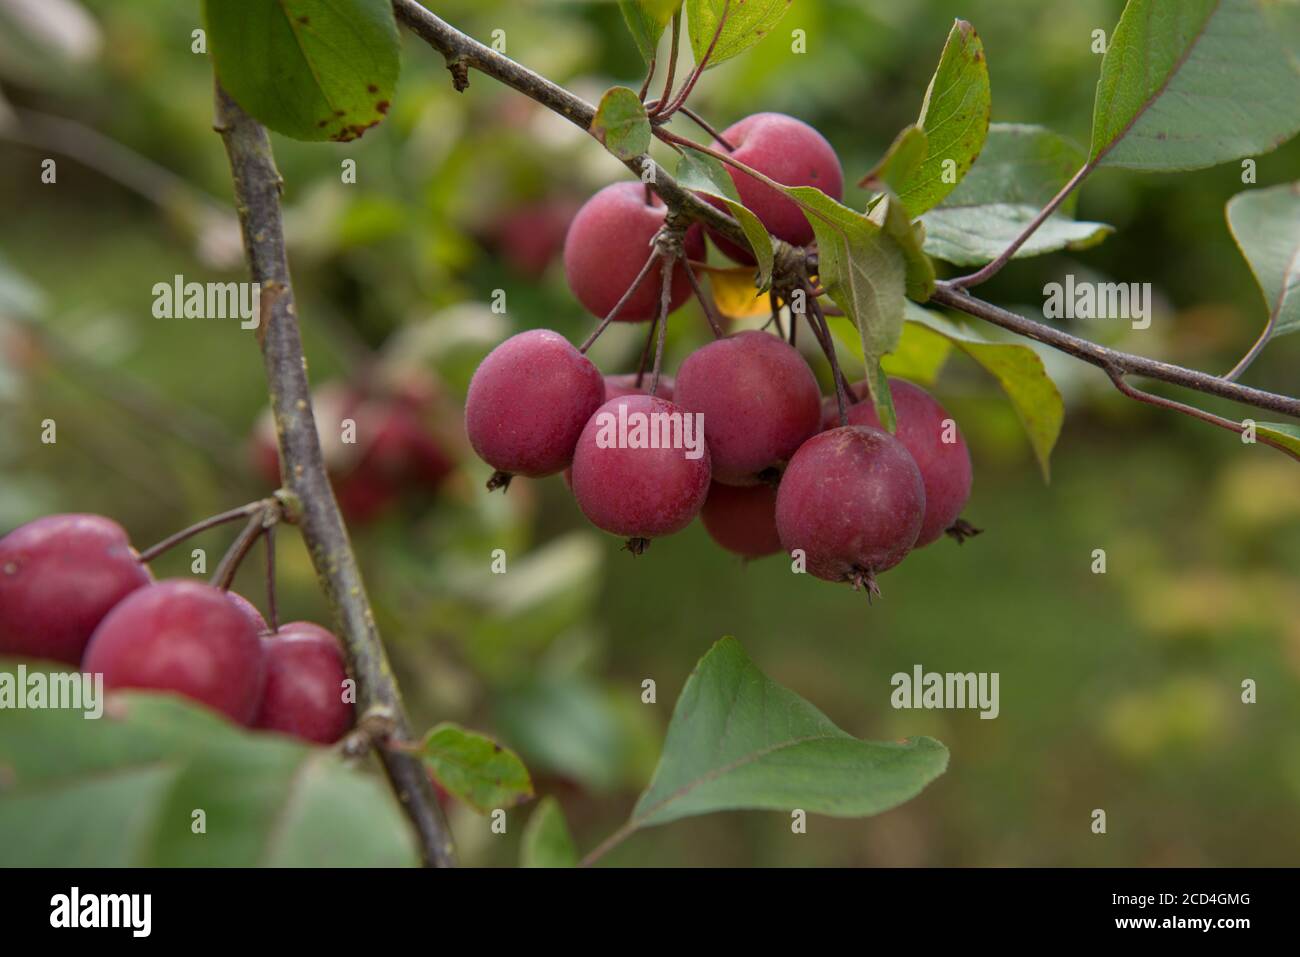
(304, 685)
(790, 152)
(59, 576)
(184, 637)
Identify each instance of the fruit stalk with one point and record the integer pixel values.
(379, 703)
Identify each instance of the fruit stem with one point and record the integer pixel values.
(240, 547)
(618, 306)
(152, 552)
(273, 614)
(650, 75)
(665, 303)
(706, 302)
(691, 80)
(672, 65)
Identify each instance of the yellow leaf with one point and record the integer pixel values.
(734, 291)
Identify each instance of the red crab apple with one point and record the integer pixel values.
(607, 246)
(528, 402)
(931, 435)
(185, 637)
(630, 489)
(789, 152)
(304, 694)
(59, 576)
(759, 399)
(852, 501)
(742, 520)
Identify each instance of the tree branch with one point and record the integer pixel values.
(465, 52)
(311, 500)
(1110, 360)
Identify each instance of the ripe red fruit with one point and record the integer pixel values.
(608, 244)
(249, 611)
(852, 499)
(922, 427)
(184, 637)
(790, 152)
(742, 520)
(528, 402)
(640, 492)
(304, 684)
(59, 576)
(393, 451)
(759, 399)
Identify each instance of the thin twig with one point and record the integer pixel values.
(618, 306)
(242, 545)
(650, 75)
(379, 701)
(689, 86)
(273, 614)
(706, 126)
(706, 302)
(1004, 257)
(153, 551)
(946, 294)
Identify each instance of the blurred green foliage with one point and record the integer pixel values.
(1120, 691)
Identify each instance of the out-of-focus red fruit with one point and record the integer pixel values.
(59, 576)
(184, 637)
(742, 520)
(790, 152)
(529, 237)
(304, 694)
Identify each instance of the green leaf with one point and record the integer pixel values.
(1191, 84)
(620, 123)
(955, 118)
(890, 215)
(738, 740)
(1285, 438)
(475, 768)
(704, 174)
(546, 841)
(121, 791)
(920, 356)
(646, 20)
(310, 69)
(900, 162)
(1020, 372)
(975, 235)
(1266, 225)
(748, 21)
(864, 271)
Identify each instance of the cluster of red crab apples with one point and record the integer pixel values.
(73, 590)
(741, 436)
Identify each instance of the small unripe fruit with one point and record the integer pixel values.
(759, 399)
(304, 684)
(640, 493)
(528, 403)
(607, 245)
(184, 637)
(852, 500)
(59, 576)
(742, 520)
(790, 152)
(923, 426)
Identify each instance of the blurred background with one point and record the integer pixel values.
(1118, 691)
